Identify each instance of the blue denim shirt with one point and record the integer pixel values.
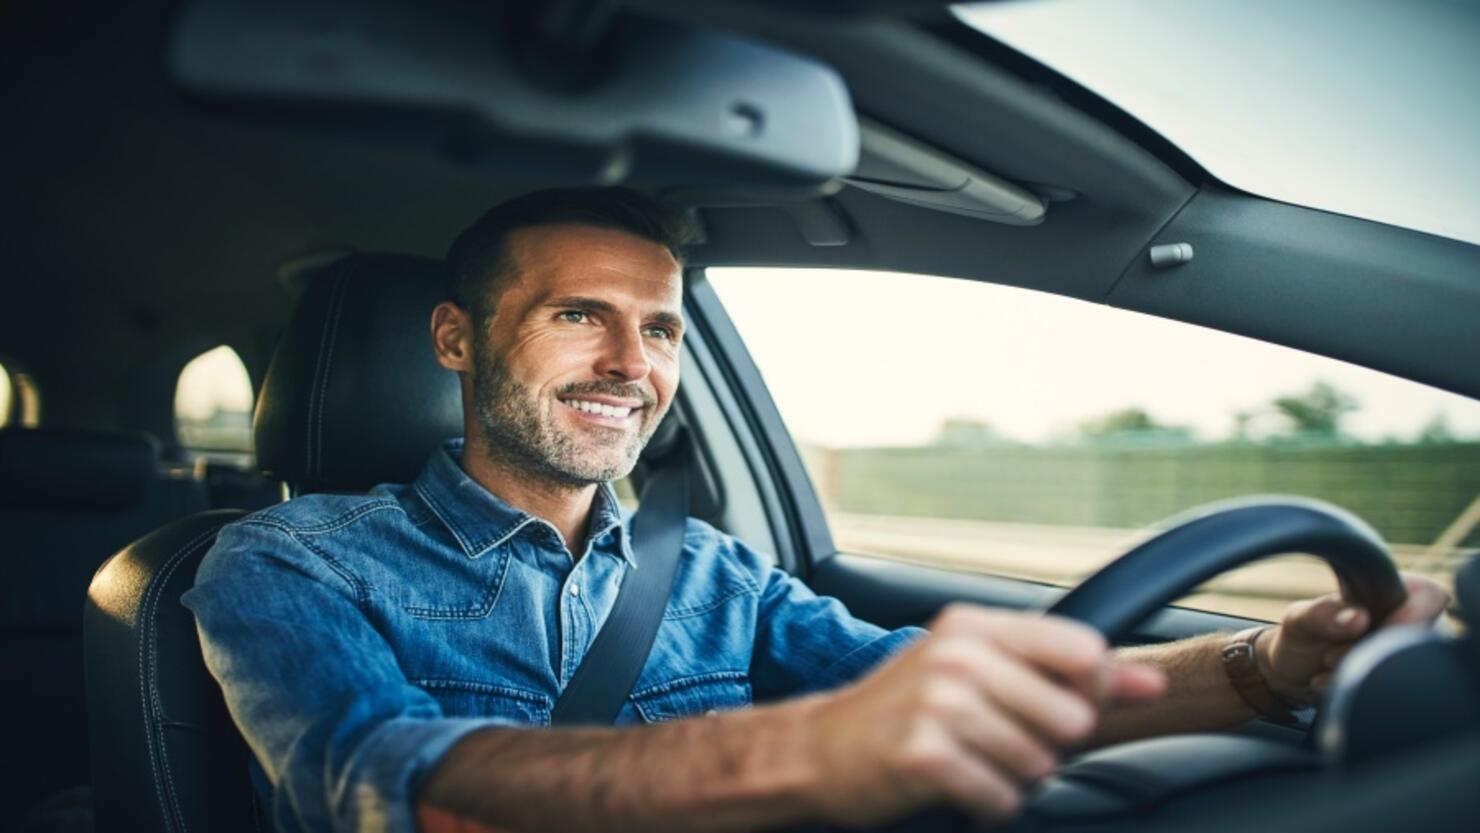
(357, 638)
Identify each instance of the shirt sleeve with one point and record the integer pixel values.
(807, 643)
(316, 691)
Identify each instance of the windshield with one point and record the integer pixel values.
(1360, 107)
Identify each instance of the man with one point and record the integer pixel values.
(452, 611)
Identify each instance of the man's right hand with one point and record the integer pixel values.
(970, 715)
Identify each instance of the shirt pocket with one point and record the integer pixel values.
(467, 698)
(699, 694)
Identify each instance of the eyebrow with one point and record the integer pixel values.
(585, 304)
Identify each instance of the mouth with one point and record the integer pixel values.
(613, 412)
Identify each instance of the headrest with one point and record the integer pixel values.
(354, 395)
(62, 470)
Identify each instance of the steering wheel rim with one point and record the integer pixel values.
(1216, 538)
(1200, 545)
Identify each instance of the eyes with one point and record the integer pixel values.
(658, 331)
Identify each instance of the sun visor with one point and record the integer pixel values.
(903, 169)
(630, 99)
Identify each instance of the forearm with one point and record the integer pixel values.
(1198, 697)
(734, 771)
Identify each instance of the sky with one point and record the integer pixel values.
(1364, 107)
(865, 359)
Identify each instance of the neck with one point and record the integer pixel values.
(564, 506)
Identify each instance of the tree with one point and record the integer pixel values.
(1436, 431)
(1123, 421)
(962, 432)
(1318, 411)
(1128, 422)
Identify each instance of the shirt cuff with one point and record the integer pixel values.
(381, 780)
(861, 660)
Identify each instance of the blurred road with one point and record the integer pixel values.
(1065, 555)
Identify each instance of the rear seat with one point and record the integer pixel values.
(68, 501)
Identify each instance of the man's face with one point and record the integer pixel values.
(579, 359)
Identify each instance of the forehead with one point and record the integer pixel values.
(594, 262)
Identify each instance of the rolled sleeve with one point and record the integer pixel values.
(806, 643)
(342, 736)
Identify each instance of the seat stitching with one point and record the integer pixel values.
(318, 368)
(148, 693)
(150, 606)
(333, 333)
(313, 393)
(154, 674)
(170, 777)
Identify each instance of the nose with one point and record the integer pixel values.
(623, 356)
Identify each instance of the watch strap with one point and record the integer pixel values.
(1241, 663)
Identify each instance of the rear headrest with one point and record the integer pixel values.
(354, 395)
(64, 470)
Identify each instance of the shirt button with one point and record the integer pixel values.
(575, 589)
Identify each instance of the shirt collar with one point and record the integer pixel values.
(480, 520)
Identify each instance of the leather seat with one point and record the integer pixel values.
(68, 499)
(353, 397)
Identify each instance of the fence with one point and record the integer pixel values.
(1410, 493)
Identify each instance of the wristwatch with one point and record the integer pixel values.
(1242, 667)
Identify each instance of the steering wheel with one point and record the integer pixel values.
(1200, 545)
(1216, 538)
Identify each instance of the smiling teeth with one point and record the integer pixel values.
(598, 408)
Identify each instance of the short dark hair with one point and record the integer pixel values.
(479, 260)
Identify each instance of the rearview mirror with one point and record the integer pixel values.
(659, 102)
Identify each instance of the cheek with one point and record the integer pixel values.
(542, 357)
(664, 375)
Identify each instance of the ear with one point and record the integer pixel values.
(452, 337)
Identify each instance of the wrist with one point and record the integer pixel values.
(766, 771)
(1246, 658)
(803, 769)
(1294, 696)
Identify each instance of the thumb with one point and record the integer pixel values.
(1132, 682)
(1322, 621)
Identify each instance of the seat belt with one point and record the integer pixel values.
(601, 684)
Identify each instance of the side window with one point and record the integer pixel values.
(4, 396)
(19, 402)
(213, 407)
(1001, 430)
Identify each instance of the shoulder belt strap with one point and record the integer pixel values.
(606, 676)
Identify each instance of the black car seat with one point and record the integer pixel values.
(68, 500)
(353, 397)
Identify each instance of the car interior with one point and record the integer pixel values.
(284, 178)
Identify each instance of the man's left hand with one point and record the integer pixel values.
(1299, 656)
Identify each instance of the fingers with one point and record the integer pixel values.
(1047, 708)
(1426, 601)
(1334, 656)
(990, 697)
(969, 783)
(1061, 646)
(1134, 682)
(989, 734)
(1326, 619)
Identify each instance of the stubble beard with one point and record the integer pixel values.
(518, 435)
